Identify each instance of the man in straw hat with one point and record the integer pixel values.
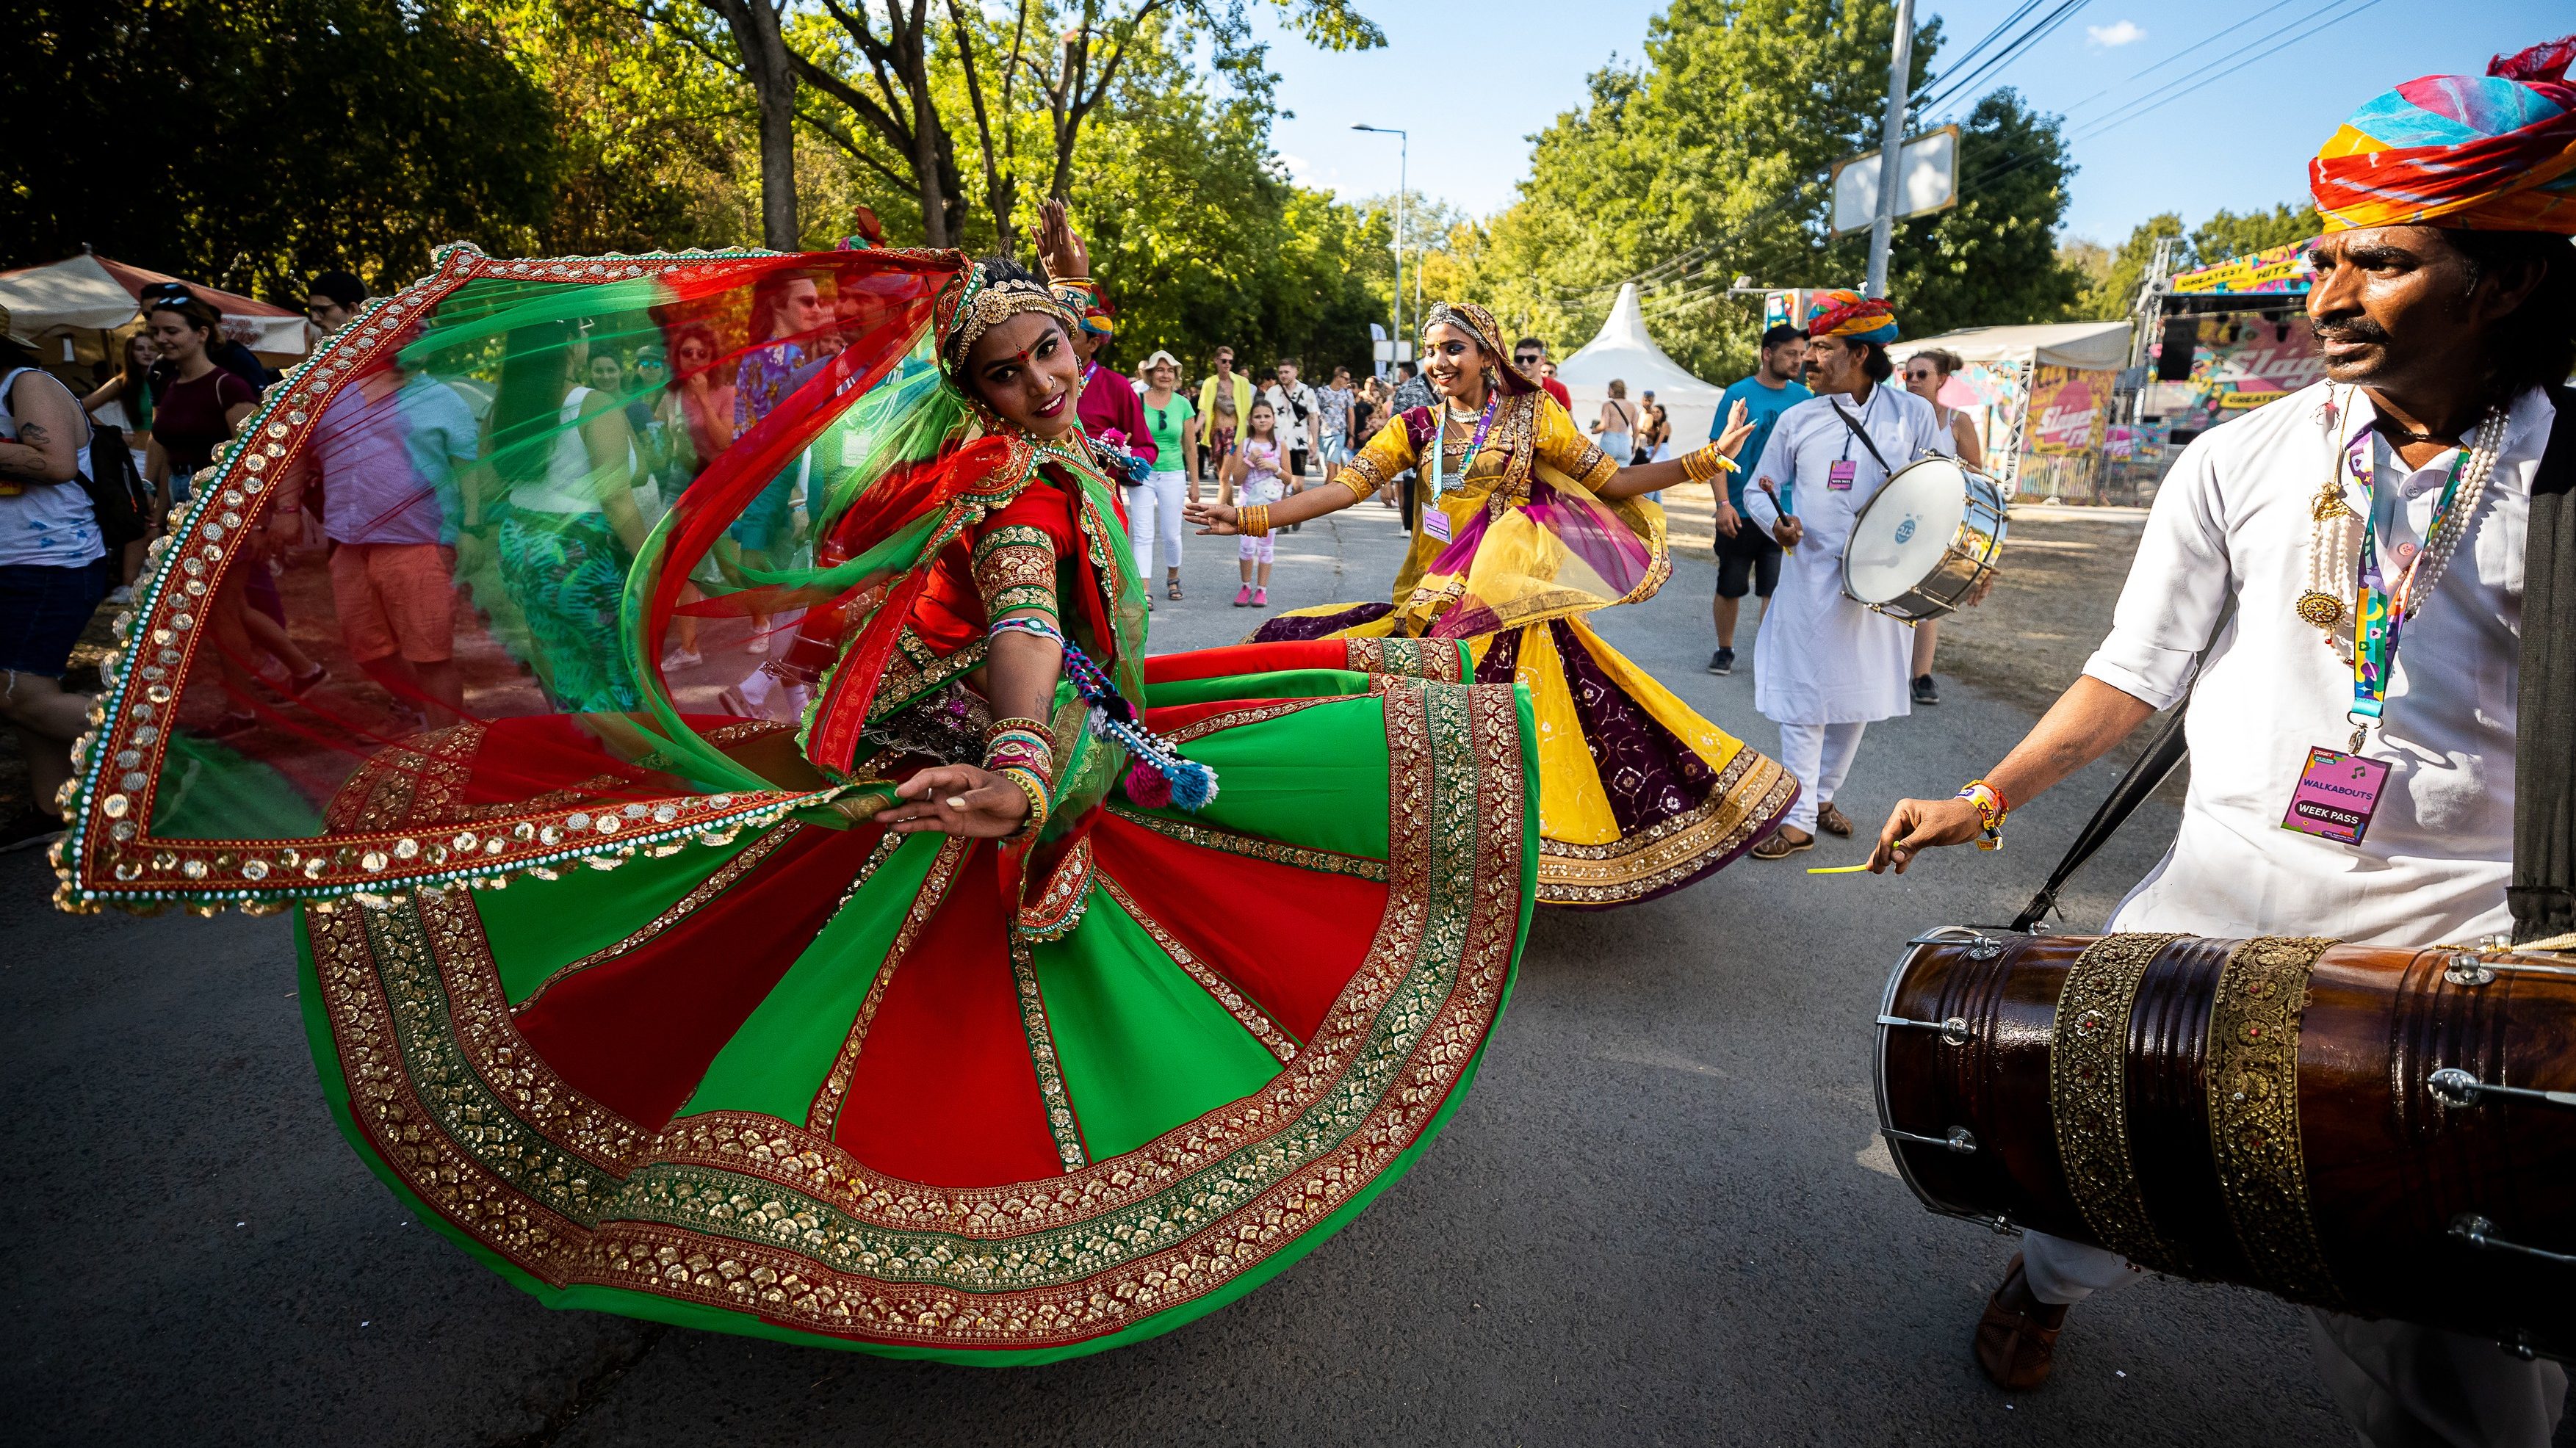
(2418, 493)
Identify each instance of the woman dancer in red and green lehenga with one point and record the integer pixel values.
(1024, 998)
(1525, 528)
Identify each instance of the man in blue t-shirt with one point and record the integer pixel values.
(1747, 559)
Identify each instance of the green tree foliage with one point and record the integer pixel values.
(249, 142)
(1709, 160)
(2225, 235)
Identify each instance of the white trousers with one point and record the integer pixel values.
(1819, 755)
(2400, 1384)
(1154, 514)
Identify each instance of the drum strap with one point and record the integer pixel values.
(1858, 433)
(2543, 893)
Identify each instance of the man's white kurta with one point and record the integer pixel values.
(1821, 658)
(2233, 520)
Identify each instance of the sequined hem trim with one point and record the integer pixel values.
(1751, 795)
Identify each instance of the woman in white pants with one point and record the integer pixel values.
(1154, 505)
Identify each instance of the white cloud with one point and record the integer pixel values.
(2111, 37)
(1297, 165)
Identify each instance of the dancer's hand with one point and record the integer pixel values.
(1739, 426)
(1917, 825)
(957, 799)
(1061, 250)
(1212, 518)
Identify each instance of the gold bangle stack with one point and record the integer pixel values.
(1704, 463)
(1252, 520)
(1035, 787)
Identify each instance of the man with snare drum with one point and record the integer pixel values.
(1824, 667)
(2400, 494)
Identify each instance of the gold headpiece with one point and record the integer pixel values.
(971, 306)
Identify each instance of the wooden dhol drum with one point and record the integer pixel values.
(2376, 1130)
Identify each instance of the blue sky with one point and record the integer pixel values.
(2241, 141)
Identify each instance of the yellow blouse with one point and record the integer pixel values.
(1579, 553)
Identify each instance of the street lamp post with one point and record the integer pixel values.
(1403, 143)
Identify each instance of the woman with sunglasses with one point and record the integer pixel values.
(1926, 373)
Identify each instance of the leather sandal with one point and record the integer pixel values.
(1780, 847)
(2017, 1338)
(1831, 820)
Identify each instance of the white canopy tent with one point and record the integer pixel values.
(74, 309)
(1625, 353)
(2093, 346)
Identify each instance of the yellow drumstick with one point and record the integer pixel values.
(1837, 869)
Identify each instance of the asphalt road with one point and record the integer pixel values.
(1662, 1217)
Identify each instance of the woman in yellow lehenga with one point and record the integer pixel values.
(1526, 527)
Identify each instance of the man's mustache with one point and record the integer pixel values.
(2349, 329)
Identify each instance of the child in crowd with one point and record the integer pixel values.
(1253, 466)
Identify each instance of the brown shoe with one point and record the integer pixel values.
(1780, 847)
(1831, 820)
(2017, 1338)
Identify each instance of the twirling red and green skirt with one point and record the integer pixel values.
(812, 1087)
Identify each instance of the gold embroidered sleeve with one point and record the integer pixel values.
(1387, 454)
(1566, 449)
(1015, 571)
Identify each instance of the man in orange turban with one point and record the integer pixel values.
(2423, 493)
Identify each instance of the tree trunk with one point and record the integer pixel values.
(754, 24)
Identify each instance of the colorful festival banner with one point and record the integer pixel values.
(2273, 269)
(2067, 410)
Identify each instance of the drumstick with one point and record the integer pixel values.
(1837, 869)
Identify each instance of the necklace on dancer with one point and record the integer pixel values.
(1440, 445)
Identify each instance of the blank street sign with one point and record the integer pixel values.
(1927, 180)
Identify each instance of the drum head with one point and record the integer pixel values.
(1904, 532)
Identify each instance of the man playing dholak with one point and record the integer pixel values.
(1824, 667)
(2397, 491)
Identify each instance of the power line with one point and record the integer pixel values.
(2039, 31)
(2210, 39)
(2166, 94)
(1971, 53)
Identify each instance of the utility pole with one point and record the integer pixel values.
(1403, 143)
(1891, 136)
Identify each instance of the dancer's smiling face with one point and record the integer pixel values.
(1455, 363)
(1024, 368)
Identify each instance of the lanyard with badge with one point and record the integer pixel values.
(1839, 477)
(2338, 790)
(1434, 521)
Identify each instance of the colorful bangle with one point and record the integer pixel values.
(1991, 812)
(1252, 520)
(1028, 624)
(1020, 749)
(1701, 464)
(1035, 786)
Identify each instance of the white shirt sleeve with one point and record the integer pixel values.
(2177, 591)
(1779, 462)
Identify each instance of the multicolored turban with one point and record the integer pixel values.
(1850, 316)
(2493, 152)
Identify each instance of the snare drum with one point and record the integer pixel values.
(1925, 545)
(2374, 1129)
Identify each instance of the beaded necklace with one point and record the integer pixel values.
(1440, 445)
(2342, 545)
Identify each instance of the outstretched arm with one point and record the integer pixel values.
(1388, 453)
(2079, 728)
(1700, 466)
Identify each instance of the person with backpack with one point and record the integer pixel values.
(53, 572)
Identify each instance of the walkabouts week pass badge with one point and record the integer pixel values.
(2336, 796)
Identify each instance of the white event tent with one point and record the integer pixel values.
(78, 309)
(1623, 352)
